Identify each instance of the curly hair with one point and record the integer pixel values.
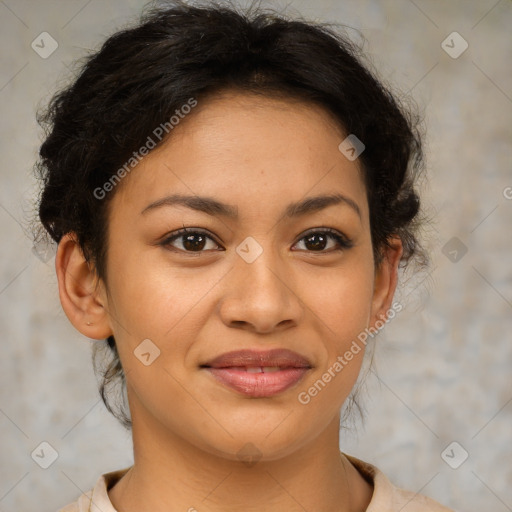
(178, 51)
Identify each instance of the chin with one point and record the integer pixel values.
(252, 442)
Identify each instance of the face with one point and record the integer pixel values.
(262, 269)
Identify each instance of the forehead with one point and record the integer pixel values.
(247, 148)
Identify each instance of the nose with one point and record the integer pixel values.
(260, 296)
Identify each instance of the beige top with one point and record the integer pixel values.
(386, 497)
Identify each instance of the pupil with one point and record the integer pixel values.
(320, 245)
(190, 245)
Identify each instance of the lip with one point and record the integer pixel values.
(258, 374)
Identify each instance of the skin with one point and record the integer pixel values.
(258, 155)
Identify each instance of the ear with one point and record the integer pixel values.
(82, 294)
(386, 279)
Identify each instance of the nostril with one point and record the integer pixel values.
(238, 322)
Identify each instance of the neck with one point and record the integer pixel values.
(171, 474)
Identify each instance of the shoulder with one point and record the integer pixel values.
(408, 501)
(388, 498)
(97, 499)
(80, 505)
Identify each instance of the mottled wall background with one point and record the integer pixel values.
(443, 365)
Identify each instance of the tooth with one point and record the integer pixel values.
(270, 369)
(256, 369)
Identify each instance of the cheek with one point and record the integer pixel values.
(340, 304)
(341, 300)
(150, 297)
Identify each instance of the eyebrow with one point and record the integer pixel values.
(213, 207)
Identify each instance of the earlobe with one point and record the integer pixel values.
(82, 296)
(386, 279)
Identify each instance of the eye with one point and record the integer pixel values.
(189, 240)
(196, 240)
(317, 240)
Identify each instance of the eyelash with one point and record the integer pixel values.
(343, 242)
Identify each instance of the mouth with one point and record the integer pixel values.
(259, 374)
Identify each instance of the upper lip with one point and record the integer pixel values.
(282, 358)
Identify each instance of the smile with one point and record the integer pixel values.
(259, 374)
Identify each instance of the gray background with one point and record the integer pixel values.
(443, 365)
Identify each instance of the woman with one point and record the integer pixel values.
(232, 195)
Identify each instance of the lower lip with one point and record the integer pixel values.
(258, 385)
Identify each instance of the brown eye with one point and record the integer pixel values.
(187, 240)
(318, 241)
